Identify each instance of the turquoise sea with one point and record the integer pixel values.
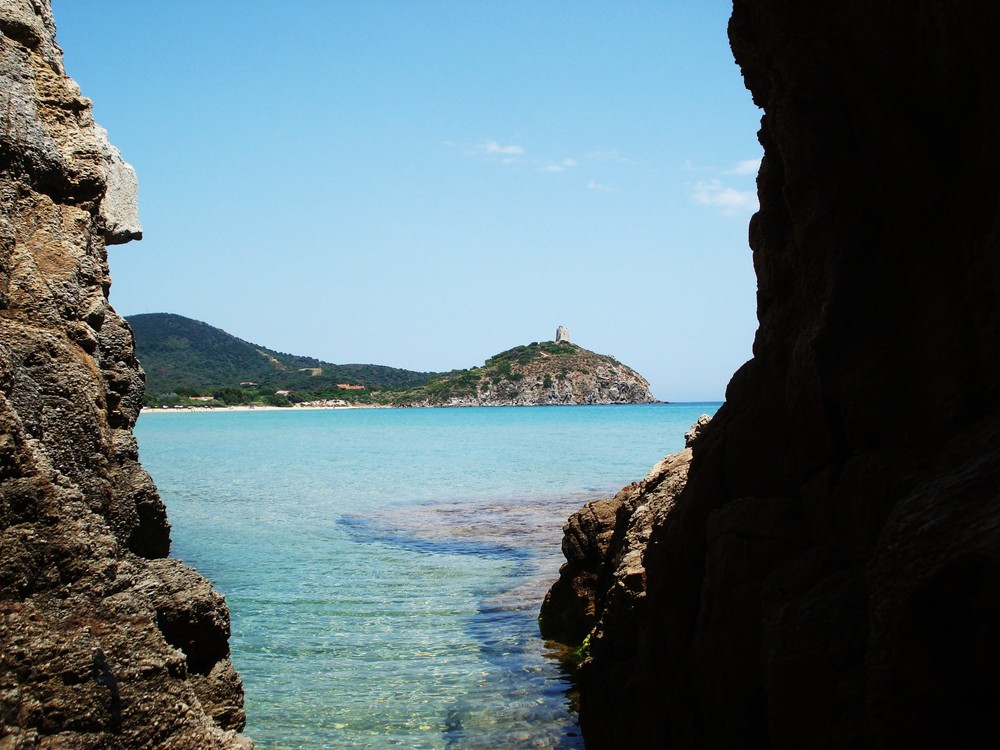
(384, 567)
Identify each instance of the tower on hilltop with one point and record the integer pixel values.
(562, 334)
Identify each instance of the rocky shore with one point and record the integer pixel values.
(106, 643)
(827, 576)
(818, 569)
(604, 544)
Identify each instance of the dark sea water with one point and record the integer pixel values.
(384, 567)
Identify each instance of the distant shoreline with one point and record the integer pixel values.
(243, 407)
(306, 406)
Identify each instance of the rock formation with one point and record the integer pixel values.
(105, 644)
(539, 374)
(578, 376)
(603, 545)
(828, 577)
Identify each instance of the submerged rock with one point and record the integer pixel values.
(104, 644)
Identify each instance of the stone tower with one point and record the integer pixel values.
(562, 334)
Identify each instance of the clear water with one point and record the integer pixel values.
(384, 567)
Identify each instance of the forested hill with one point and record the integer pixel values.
(186, 356)
(540, 373)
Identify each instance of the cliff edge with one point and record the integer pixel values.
(106, 643)
(828, 576)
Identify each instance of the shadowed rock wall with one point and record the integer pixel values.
(104, 643)
(829, 576)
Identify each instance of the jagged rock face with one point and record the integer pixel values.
(828, 578)
(103, 645)
(603, 544)
(547, 374)
(597, 383)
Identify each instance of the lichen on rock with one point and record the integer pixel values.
(101, 646)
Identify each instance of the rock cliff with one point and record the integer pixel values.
(828, 577)
(105, 642)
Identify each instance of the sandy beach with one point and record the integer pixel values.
(306, 405)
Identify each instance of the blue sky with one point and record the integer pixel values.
(425, 184)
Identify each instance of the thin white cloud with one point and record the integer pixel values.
(493, 147)
(561, 166)
(747, 166)
(595, 185)
(731, 201)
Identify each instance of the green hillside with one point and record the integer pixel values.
(187, 361)
(186, 357)
(539, 373)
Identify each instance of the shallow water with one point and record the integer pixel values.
(384, 568)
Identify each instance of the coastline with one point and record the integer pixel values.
(305, 406)
(319, 406)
